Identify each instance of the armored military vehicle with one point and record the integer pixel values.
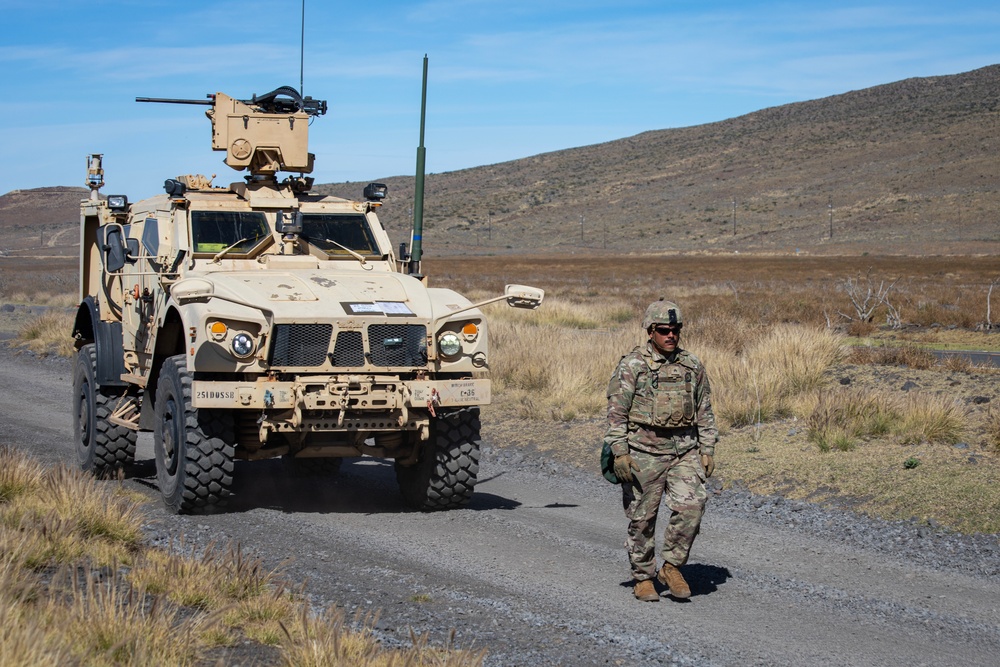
(257, 320)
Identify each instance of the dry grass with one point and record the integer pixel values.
(551, 371)
(48, 282)
(871, 477)
(78, 586)
(992, 430)
(893, 355)
(932, 292)
(768, 379)
(48, 334)
(843, 419)
(327, 642)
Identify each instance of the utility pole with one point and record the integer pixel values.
(829, 205)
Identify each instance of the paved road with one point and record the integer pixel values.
(977, 358)
(534, 570)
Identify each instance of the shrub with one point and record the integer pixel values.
(843, 419)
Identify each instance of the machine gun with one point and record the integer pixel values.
(265, 134)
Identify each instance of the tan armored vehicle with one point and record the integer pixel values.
(257, 320)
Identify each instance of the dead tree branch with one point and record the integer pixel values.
(866, 297)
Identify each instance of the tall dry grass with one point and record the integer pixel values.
(549, 365)
(48, 333)
(328, 641)
(555, 362)
(993, 430)
(768, 379)
(845, 418)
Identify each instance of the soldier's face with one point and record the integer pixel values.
(665, 337)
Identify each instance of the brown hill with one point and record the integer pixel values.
(40, 218)
(908, 167)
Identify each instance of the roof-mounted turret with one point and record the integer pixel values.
(265, 134)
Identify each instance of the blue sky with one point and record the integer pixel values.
(508, 79)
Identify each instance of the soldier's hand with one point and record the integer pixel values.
(708, 462)
(624, 465)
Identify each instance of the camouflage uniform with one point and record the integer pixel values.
(660, 412)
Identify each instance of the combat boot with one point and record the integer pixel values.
(645, 591)
(671, 577)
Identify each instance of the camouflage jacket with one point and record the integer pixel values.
(659, 405)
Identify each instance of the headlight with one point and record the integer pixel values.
(242, 345)
(449, 344)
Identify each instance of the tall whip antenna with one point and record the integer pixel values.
(302, 50)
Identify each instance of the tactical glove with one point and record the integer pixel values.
(708, 462)
(624, 465)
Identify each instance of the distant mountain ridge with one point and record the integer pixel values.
(906, 167)
(910, 166)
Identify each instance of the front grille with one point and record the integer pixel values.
(398, 344)
(300, 344)
(349, 350)
(389, 345)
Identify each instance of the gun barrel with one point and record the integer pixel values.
(171, 100)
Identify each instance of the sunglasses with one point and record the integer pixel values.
(663, 330)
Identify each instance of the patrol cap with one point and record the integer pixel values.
(662, 312)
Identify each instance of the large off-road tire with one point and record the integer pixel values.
(444, 477)
(194, 448)
(100, 445)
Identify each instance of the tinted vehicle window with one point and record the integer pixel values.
(214, 231)
(325, 230)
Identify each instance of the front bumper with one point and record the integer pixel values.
(339, 393)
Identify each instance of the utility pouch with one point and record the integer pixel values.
(608, 464)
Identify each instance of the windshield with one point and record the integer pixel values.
(214, 231)
(327, 230)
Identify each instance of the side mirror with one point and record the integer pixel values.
(132, 250)
(522, 296)
(113, 248)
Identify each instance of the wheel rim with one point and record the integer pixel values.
(83, 417)
(170, 437)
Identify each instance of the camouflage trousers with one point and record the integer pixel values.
(682, 479)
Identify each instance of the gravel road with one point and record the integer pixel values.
(534, 570)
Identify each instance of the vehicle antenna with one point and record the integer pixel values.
(416, 242)
(302, 50)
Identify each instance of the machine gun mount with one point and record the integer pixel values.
(263, 135)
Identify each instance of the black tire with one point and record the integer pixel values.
(445, 475)
(194, 448)
(100, 445)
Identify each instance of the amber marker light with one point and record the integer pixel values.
(470, 331)
(218, 330)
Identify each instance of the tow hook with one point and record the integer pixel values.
(435, 399)
(342, 403)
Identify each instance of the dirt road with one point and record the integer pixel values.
(535, 571)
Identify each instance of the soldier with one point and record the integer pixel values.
(661, 431)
